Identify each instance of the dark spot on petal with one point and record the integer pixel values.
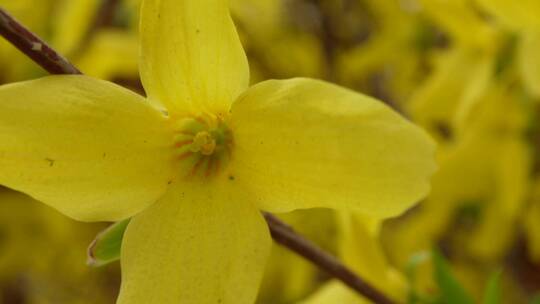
(231, 177)
(443, 129)
(50, 161)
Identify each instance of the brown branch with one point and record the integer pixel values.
(283, 234)
(287, 237)
(35, 48)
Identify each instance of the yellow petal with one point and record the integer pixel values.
(511, 171)
(305, 143)
(197, 245)
(192, 59)
(89, 148)
(447, 96)
(110, 54)
(362, 251)
(458, 20)
(529, 62)
(72, 24)
(515, 14)
(334, 292)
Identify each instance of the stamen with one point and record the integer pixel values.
(203, 145)
(203, 142)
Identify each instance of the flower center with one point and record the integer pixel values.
(203, 142)
(204, 145)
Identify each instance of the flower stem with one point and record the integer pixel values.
(35, 48)
(287, 237)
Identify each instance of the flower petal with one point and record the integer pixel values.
(192, 59)
(515, 14)
(197, 245)
(110, 54)
(73, 20)
(529, 63)
(361, 249)
(89, 148)
(305, 143)
(334, 292)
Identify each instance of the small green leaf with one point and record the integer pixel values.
(451, 290)
(106, 246)
(492, 293)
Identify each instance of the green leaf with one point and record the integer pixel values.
(451, 290)
(492, 293)
(106, 246)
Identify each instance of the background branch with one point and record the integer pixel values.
(54, 63)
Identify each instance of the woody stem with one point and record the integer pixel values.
(33, 46)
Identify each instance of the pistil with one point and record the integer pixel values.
(204, 145)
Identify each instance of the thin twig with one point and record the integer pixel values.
(35, 48)
(287, 237)
(283, 234)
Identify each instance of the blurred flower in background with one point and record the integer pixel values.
(467, 71)
(43, 254)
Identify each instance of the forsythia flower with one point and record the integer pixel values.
(443, 101)
(376, 59)
(53, 270)
(522, 18)
(483, 177)
(194, 178)
(276, 44)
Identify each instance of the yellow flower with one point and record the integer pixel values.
(195, 178)
(110, 54)
(46, 249)
(274, 42)
(73, 20)
(521, 17)
(464, 25)
(446, 97)
(518, 15)
(374, 65)
(482, 178)
(528, 61)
